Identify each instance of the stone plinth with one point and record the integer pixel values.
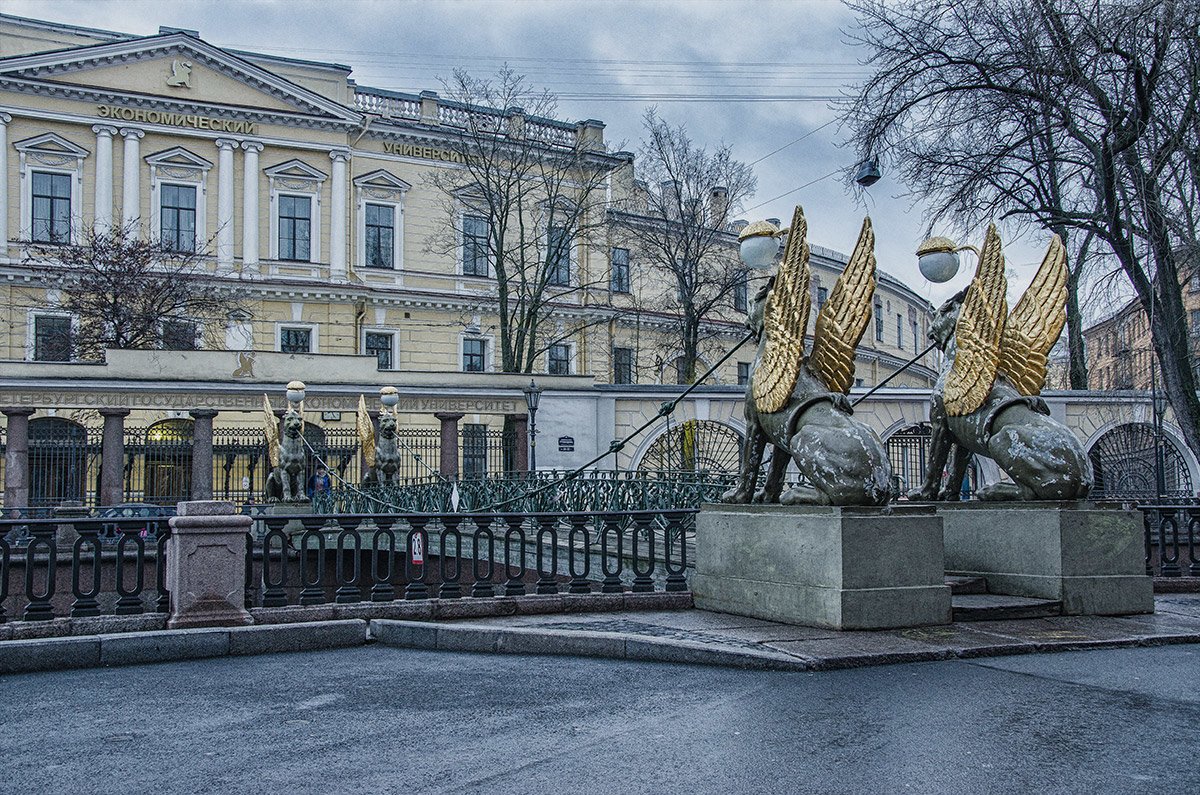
(206, 566)
(1089, 555)
(844, 568)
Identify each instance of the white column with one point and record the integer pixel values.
(250, 177)
(131, 184)
(337, 217)
(4, 120)
(104, 177)
(225, 203)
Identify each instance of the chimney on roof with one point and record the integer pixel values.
(718, 207)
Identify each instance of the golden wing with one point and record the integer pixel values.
(271, 428)
(978, 329)
(366, 432)
(843, 319)
(1034, 324)
(785, 319)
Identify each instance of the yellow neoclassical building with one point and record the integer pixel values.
(321, 201)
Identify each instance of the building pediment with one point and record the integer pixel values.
(381, 178)
(178, 157)
(51, 144)
(175, 67)
(295, 170)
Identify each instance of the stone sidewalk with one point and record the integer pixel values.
(697, 636)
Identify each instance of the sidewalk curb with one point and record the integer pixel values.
(135, 648)
(434, 636)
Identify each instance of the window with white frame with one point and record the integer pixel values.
(380, 344)
(295, 189)
(743, 373)
(51, 207)
(296, 338)
(178, 194)
(52, 338)
(475, 234)
(558, 359)
(295, 228)
(51, 191)
(558, 256)
(620, 270)
(741, 301)
(474, 355)
(622, 365)
(380, 220)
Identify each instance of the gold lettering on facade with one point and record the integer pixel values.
(423, 152)
(178, 119)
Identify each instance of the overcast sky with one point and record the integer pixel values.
(758, 76)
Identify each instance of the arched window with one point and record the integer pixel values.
(1123, 460)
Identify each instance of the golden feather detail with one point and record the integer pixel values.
(785, 320)
(271, 430)
(366, 432)
(1035, 323)
(978, 331)
(845, 315)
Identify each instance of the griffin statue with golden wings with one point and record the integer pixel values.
(798, 404)
(986, 399)
(380, 451)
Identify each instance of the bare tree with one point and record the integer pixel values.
(128, 291)
(680, 234)
(1079, 116)
(534, 197)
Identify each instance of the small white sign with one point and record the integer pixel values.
(418, 549)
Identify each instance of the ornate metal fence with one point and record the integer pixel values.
(1172, 535)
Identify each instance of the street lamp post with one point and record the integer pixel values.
(533, 394)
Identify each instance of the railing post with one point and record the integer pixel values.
(202, 453)
(206, 565)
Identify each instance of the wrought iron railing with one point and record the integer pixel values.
(1172, 536)
(590, 491)
(56, 567)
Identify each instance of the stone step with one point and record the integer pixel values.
(998, 607)
(960, 585)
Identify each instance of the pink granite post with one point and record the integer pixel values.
(206, 566)
(449, 443)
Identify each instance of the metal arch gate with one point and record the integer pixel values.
(1123, 461)
(694, 446)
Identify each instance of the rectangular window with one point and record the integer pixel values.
(1196, 322)
(822, 296)
(878, 321)
(558, 360)
(51, 207)
(52, 341)
(620, 270)
(380, 229)
(295, 340)
(178, 335)
(295, 228)
(473, 356)
(380, 345)
(558, 258)
(177, 217)
(741, 301)
(916, 338)
(743, 373)
(474, 450)
(899, 331)
(475, 245)
(622, 365)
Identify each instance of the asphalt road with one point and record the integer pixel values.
(378, 719)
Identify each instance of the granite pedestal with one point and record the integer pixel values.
(1088, 555)
(843, 568)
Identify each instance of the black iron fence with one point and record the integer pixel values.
(116, 565)
(1172, 532)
